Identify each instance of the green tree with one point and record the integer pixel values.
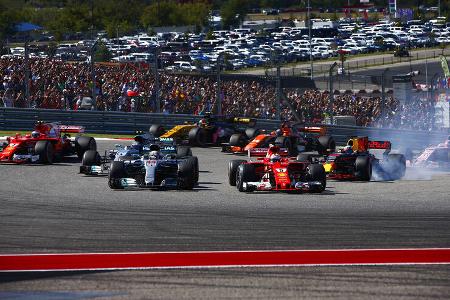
(233, 12)
(102, 53)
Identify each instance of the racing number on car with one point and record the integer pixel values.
(151, 162)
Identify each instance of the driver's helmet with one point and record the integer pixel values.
(154, 154)
(35, 134)
(278, 132)
(155, 147)
(275, 158)
(139, 139)
(347, 149)
(202, 123)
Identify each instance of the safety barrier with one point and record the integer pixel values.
(128, 123)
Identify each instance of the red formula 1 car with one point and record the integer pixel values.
(274, 170)
(355, 162)
(295, 138)
(48, 142)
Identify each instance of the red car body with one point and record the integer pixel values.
(281, 174)
(50, 142)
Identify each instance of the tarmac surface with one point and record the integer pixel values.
(52, 209)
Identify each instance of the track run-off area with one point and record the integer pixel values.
(273, 245)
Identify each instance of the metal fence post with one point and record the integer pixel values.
(218, 87)
(331, 94)
(383, 92)
(27, 74)
(278, 100)
(156, 87)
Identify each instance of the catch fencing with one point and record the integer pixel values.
(127, 123)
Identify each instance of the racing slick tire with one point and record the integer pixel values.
(238, 140)
(303, 157)
(91, 158)
(245, 173)
(232, 169)
(183, 151)
(316, 172)
(251, 133)
(363, 168)
(83, 144)
(156, 130)
(116, 172)
(187, 172)
(285, 142)
(396, 166)
(45, 151)
(326, 145)
(197, 137)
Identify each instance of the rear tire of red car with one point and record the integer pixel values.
(197, 137)
(156, 130)
(91, 158)
(238, 140)
(83, 144)
(116, 172)
(232, 169)
(45, 151)
(326, 145)
(316, 172)
(245, 173)
(363, 168)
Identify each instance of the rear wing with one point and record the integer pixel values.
(71, 129)
(250, 121)
(379, 145)
(262, 152)
(363, 144)
(312, 129)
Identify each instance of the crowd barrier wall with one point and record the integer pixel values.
(127, 123)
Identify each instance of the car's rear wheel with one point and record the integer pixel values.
(285, 142)
(363, 168)
(45, 151)
(197, 137)
(251, 132)
(238, 140)
(156, 130)
(326, 145)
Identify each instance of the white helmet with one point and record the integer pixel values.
(35, 134)
(348, 149)
(154, 154)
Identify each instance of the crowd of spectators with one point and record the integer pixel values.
(61, 85)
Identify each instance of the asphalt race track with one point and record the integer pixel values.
(52, 209)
